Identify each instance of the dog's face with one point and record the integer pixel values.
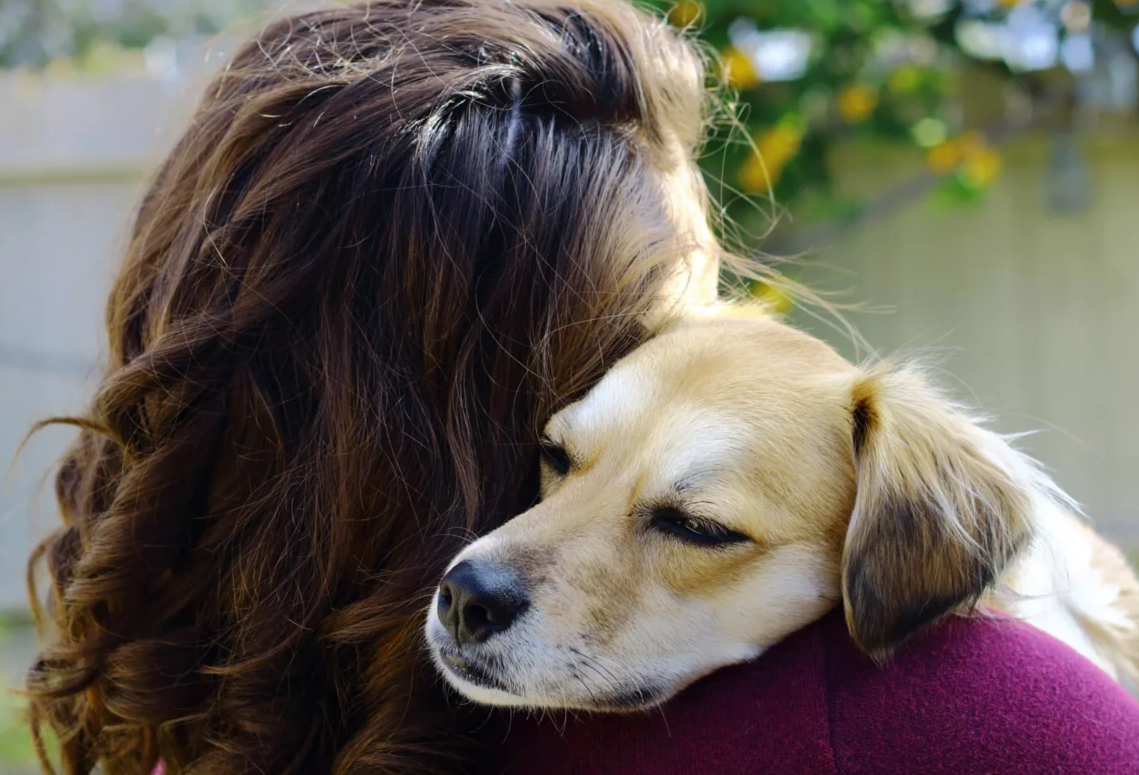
(724, 485)
(693, 512)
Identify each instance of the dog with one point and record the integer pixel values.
(733, 480)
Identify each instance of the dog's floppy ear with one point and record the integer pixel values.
(942, 506)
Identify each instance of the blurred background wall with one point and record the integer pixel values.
(72, 154)
(993, 223)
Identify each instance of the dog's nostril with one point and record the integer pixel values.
(476, 616)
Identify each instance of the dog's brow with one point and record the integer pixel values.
(701, 444)
(622, 393)
(558, 426)
(696, 480)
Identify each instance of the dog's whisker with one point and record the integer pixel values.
(595, 669)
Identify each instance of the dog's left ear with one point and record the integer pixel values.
(942, 506)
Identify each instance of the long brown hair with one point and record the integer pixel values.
(395, 236)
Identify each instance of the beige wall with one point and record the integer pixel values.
(1034, 316)
(72, 159)
(56, 254)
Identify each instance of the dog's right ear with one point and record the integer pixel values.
(942, 505)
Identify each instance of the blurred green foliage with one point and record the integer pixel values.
(812, 75)
(36, 32)
(808, 75)
(17, 754)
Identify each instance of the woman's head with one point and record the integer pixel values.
(394, 238)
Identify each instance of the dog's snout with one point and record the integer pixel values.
(477, 600)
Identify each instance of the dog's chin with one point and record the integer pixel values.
(643, 698)
(619, 702)
(481, 685)
(482, 693)
(473, 680)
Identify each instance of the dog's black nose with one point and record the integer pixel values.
(476, 600)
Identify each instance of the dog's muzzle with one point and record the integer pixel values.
(477, 600)
(490, 646)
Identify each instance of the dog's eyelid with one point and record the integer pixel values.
(680, 522)
(555, 455)
(549, 442)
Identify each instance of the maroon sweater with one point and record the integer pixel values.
(966, 698)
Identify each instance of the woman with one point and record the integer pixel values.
(394, 238)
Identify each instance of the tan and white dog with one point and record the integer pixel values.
(732, 481)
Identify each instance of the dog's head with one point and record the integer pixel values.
(726, 484)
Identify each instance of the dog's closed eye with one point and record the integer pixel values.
(696, 530)
(555, 456)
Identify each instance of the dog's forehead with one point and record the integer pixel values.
(757, 351)
(622, 395)
(701, 380)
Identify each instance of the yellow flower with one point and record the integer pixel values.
(738, 70)
(780, 143)
(905, 79)
(943, 157)
(757, 176)
(981, 168)
(1008, 3)
(778, 300)
(775, 148)
(856, 103)
(685, 13)
(970, 154)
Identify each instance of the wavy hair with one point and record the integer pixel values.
(394, 238)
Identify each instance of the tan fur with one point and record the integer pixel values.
(860, 485)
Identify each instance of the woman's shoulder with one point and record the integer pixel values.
(966, 697)
(977, 695)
